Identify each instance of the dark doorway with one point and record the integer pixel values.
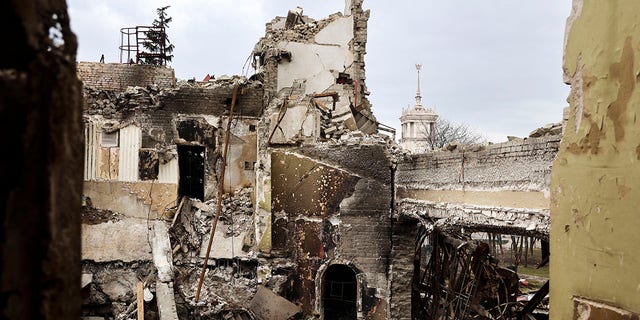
(340, 293)
(191, 165)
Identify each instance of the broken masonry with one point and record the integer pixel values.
(320, 216)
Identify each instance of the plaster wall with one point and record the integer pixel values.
(299, 122)
(317, 64)
(133, 199)
(338, 32)
(596, 179)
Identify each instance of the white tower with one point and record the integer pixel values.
(418, 124)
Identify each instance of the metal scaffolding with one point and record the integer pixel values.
(136, 41)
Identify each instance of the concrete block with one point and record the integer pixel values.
(267, 305)
(166, 301)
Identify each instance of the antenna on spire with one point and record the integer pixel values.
(418, 96)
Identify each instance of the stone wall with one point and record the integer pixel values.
(119, 76)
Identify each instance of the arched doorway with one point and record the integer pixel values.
(339, 293)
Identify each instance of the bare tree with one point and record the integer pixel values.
(445, 131)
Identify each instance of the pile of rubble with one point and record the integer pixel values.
(229, 283)
(549, 129)
(106, 289)
(109, 103)
(193, 222)
(295, 27)
(92, 215)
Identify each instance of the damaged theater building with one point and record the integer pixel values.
(318, 213)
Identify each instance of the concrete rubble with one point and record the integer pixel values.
(319, 209)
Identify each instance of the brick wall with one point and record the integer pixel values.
(402, 252)
(118, 76)
(514, 165)
(215, 101)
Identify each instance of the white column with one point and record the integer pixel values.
(91, 145)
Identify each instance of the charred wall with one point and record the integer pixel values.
(190, 114)
(328, 208)
(119, 76)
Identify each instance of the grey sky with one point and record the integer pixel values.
(495, 65)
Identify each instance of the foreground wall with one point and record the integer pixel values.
(596, 178)
(41, 170)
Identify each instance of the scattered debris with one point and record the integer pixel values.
(93, 215)
(548, 129)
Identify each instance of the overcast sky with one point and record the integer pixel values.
(495, 65)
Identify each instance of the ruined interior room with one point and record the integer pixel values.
(279, 194)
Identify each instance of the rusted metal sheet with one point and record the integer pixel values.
(456, 278)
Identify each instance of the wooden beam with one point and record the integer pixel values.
(140, 301)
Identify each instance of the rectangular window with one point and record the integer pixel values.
(109, 139)
(249, 166)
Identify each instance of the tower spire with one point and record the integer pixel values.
(418, 96)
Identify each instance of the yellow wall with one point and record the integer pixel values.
(595, 205)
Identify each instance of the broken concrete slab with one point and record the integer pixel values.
(120, 286)
(166, 301)
(161, 250)
(124, 240)
(267, 305)
(86, 279)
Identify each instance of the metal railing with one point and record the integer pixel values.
(134, 42)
